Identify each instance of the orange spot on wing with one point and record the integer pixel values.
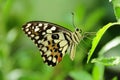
(59, 59)
(54, 53)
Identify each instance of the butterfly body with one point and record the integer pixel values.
(52, 40)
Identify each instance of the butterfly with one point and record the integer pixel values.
(52, 40)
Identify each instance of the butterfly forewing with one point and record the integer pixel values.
(51, 39)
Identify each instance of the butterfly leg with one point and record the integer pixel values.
(72, 51)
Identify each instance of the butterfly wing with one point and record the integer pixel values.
(51, 39)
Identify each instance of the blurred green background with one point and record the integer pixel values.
(21, 60)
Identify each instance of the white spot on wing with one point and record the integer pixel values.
(29, 32)
(49, 37)
(33, 40)
(36, 44)
(44, 49)
(50, 65)
(36, 37)
(54, 60)
(49, 31)
(50, 58)
(60, 49)
(53, 28)
(40, 24)
(41, 53)
(32, 35)
(63, 43)
(28, 25)
(39, 41)
(33, 27)
(43, 58)
(45, 43)
(43, 33)
(40, 46)
(48, 53)
(61, 36)
(56, 41)
(37, 29)
(45, 25)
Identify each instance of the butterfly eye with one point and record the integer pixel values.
(77, 29)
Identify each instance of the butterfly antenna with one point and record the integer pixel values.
(73, 20)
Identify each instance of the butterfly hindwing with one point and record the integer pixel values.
(52, 51)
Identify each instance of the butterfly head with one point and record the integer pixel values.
(78, 30)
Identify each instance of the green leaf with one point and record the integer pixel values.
(116, 6)
(113, 43)
(107, 61)
(98, 72)
(99, 35)
(115, 78)
(80, 75)
(111, 60)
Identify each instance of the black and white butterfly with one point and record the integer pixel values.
(52, 40)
